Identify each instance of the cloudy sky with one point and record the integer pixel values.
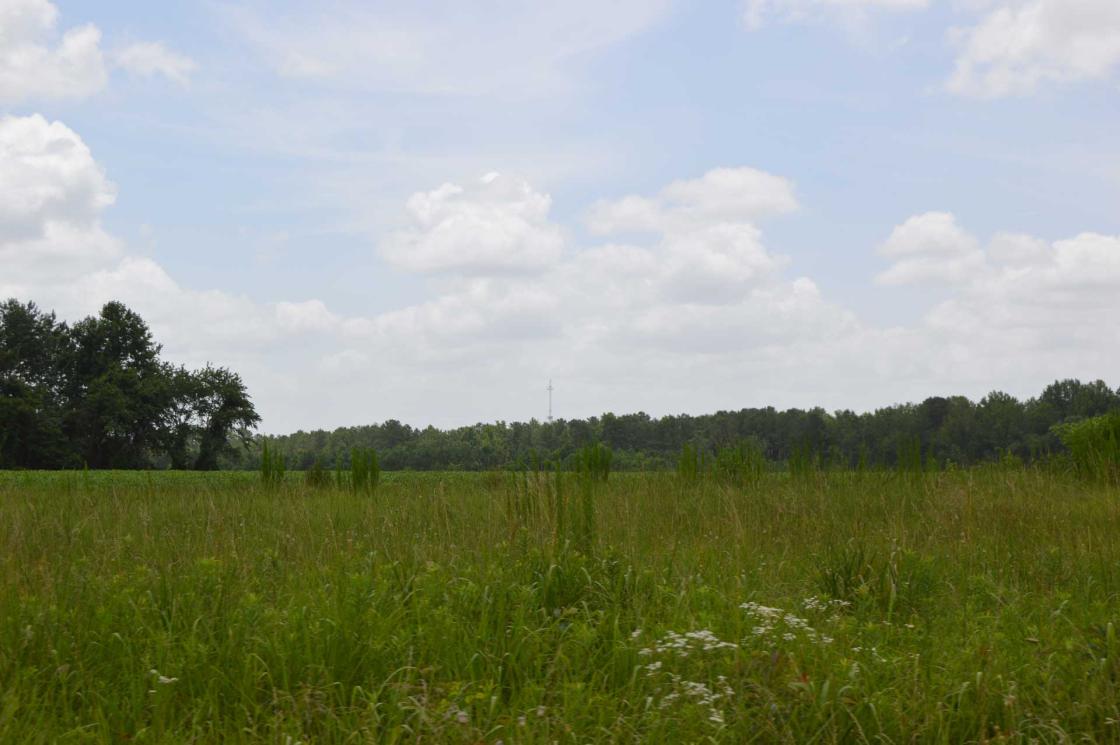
(424, 210)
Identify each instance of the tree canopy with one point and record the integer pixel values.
(97, 394)
(939, 429)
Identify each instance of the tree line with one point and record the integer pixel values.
(939, 431)
(96, 394)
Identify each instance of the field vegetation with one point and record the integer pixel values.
(941, 572)
(724, 602)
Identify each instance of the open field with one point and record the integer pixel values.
(171, 607)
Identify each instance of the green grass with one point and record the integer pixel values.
(957, 607)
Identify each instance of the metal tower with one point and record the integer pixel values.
(550, 400)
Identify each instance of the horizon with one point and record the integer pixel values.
(423, 212)
(653, 416)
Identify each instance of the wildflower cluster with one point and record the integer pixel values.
(775, 624)
(697, 694)
(681, 645)
(813, 604)
(671, 656)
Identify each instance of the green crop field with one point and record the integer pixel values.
(970, 606)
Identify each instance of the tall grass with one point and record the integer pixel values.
(274, 466)
(1094, 446)
(970, 606)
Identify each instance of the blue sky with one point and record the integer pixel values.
(843, 202)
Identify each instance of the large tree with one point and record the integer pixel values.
(224, 410)
(33, 346)
(98, 393)
(118, 389)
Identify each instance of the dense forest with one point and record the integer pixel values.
(97, 394)
(946, 430)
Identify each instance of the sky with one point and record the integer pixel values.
(425, 211)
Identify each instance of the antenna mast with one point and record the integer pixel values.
(550, 400)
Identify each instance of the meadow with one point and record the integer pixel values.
(976, 605)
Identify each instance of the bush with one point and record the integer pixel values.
(317, 477)
(1094, 446)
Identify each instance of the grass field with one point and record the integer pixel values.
(970, 606)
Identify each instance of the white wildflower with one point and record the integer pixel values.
(162, 679)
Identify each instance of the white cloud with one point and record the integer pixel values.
(37, 64)
(47, 177)
(1016, 249)
(52, 193)
(758, 13)
(1044, 318)
(703, 276)
(1019, 308)
(696, 315)
(930, 247)
(310, 315)
(33, 66)
(715, 264)
(731, 194)
(720, 195)
(151, 58)
(54, 250)
(497, 225)
(1018, 46)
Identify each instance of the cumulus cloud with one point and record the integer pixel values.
(310, 315)
(54, 250)
(695, 312)
(151, 58)
(38, 64)
(1012, 48)
(497, 225)
(48, 177)
(1018, 305)
(1047, 315)
(758, 13)
(1018, 46)
(34, 65)
(52, 193)
(930, 247)
(720, 195)
(701, 276)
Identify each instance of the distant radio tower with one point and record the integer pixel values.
(550, 400)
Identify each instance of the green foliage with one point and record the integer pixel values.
(593, 462)
(804, 461)
(740, 465)
(98, 393)
(909, 461)
(365, 472)
(1094, 446)
(273, 466)
(593, 465)
(950, 428)
(223, 411)
(692, 464)
(317, 477)
(893, 581)
(177, 607)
